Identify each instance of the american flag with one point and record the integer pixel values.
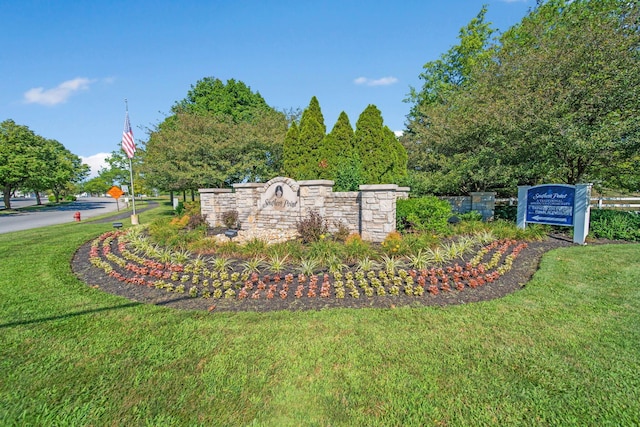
(128, 144)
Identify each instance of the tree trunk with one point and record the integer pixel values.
(38, 201)
(193, 196)
(6, 194)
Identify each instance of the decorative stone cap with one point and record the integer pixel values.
(215, 190)
(379, 187)
(317, 183)
(248, 185)
(290, 182)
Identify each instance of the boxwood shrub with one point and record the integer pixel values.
(426, 213)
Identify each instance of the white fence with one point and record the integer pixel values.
(621, 203)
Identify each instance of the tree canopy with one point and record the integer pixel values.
(218, 135)
(384, 159)
(555, 99)
(32, 162)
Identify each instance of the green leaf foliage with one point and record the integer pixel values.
(336, 150)
(211, 96)
(31, 162)
(384, 159)
(219, 134)
(557, 102)
(312, 133)
(427, 213)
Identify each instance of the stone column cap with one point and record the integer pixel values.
(317, 183)
(248, 185)
(214, 190)
(379, 187)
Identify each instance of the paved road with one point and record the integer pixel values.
(51, 215)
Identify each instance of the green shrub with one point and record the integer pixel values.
(423, 214)
(506, 212)
(179, 209)
(230, 219)
(470, 216)
(615, 225)
(342, 231)
(312, 228)
(197, 220)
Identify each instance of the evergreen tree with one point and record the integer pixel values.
(383, 157)
(312, 132)
(398, 156)
(292, 152)
(337, 149)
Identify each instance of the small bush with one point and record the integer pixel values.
(179, 209)
(509, 213)
(180, 222)
(423, 214)
(312, 228)
(230, 218)
(197, 220)
(470, 216)
(356, 248)
(393, 244)
(342, 231)
(615, 225)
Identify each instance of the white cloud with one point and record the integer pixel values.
(58, 94)
(95, 162)
(384, 81)
(398, 133)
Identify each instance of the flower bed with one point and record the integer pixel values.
(225, 285)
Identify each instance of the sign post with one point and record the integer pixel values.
(556, 204)
(116, 193)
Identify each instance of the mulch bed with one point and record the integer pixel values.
(523, 269)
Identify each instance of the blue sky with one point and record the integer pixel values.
(66, 67)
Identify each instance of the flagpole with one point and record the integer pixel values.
(133, 193)
(134, 217)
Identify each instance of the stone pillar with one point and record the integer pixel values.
(485, 203)
(402, 193)
(210, 204)
(377, 211)
(312, 196)
(247, 197)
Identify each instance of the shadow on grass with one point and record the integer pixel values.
(67, 316)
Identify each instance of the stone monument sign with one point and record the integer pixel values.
(271, 210)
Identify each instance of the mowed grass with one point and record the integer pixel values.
(563, 351)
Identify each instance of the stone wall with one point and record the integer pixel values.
(270, 210)
(482, 202)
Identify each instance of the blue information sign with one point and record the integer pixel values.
(551, 204)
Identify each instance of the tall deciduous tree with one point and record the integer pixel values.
(557, 102)
(218, 135)
(210, 96)
(18, 146)
(57, 169)
(433, 169)
(570, 80)
(199, 151)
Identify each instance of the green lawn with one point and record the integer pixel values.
(563, 351)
